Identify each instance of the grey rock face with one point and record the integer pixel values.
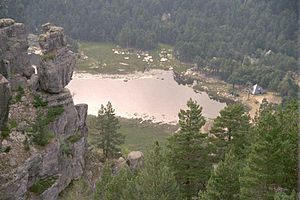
(135, 160)
(54, 74)
(33, 82)
(56, 66)
(17, 81)
(5, 68)
(4, 100)
(53, 38)
(62, 159)
(14, 45)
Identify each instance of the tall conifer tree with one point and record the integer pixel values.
(188, 151)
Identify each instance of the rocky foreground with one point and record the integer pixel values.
(43, 140)
(29, 170)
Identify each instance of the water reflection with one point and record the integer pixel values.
(151, 95)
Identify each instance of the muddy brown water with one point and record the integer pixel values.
(153, 95)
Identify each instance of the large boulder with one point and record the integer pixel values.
(135, 160)
(57, 63)
(4, 99)
(13, 47)
(53, 38)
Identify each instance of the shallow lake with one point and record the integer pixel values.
(153, 95)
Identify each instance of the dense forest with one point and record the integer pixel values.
(239, 160)
(239, 40)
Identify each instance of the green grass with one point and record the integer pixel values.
(42, 185)
(5, 131)
(138, 136)
(102, 59)
(74, 138)
(38, 102)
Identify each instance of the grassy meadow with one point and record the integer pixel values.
(139, 135)
(107, 58)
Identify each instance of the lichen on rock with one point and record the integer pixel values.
(26, 166)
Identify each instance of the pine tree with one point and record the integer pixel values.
(156, 181)
(224, 181)
(105, 179)
(188, 151)
(120, 183)
(272, 161)
(231, 128)
(108, 125)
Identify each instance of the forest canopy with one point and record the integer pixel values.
(239, 40)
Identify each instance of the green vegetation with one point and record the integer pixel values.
(20, 92)
(47, 56)
(13, 123)
(38, 102)
(66, 149)
(188, 151)
(7, 149)
(41, 186)
(77, 189)
(52, 113)
(108, 137)
(26, 144)
(154, 181)
(74, 138)
(102, 59)
(224, 181)
(139, 135)
(5, 131)
(42, 134)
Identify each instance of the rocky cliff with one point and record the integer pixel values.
(43, 134)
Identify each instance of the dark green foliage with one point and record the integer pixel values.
(224, 181)
(284, 196)
(13, 123)
(188, 151)
(52, 113)
(107, 126)
(7, 149)
(42, 134)
(272, 161)
(18, 98)
(47, 56)
(156, 181)
(38, 102)
(231, 128)
(41, 186)
(66, 149)
(26, 144)
(5, 131)
(101, 186)
(74, 138)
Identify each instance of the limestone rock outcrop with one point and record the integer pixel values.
(13, 47)
(4, 99)
(135, 160)
(57, 63)
(27, 170)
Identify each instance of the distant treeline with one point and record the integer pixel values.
(229, 38)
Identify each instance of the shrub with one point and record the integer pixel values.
(7, 149)
(26, 145)
(52, 114)
(5, 131)
(66, 149)
(47, 56)
(13, 123)
(42, 185)
(38, 102)
(74, 138)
